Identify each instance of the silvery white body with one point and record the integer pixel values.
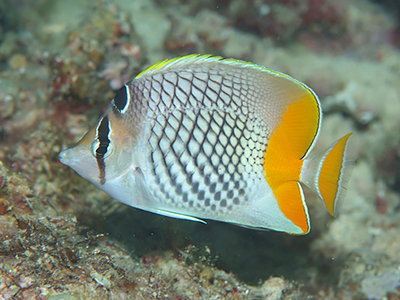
(187, 138)
(197, 145)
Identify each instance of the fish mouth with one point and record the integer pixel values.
(62, 156)
(65, 157)
(76, 161)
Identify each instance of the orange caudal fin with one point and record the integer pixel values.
(328, 172)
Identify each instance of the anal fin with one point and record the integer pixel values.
(291, 201)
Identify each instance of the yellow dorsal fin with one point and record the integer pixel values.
(184, 61)
(175, 62)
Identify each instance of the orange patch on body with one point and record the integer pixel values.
(289, 195)
(283, 159)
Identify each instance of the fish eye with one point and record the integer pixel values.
(95, 145)
(102, 150)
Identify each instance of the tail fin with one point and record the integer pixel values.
(327, 173)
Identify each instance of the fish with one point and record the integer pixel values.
(202, 137)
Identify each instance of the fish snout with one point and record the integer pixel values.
(65, 156)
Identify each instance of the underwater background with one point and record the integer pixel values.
(62, 238)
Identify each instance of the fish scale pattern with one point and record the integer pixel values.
(206, 145)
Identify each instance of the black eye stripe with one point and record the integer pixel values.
(121, 99)
(102, 136)
(101, 150)
(103, 131)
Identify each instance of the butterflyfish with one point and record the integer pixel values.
(203, 137)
